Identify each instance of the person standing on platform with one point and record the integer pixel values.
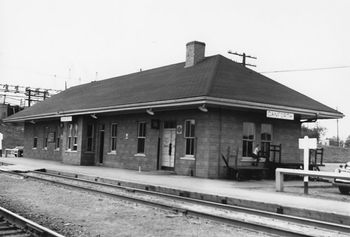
(255, 154)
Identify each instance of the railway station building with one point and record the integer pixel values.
(183, 117)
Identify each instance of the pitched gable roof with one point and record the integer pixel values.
(214, 80)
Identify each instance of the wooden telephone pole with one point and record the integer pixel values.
(244, 56)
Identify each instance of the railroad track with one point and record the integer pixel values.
(14, 225)
(268, 222)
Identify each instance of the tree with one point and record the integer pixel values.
(333, 141)
(347, 142)
(315, 132)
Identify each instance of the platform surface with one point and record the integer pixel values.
(227, 188)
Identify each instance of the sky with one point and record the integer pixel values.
(45, 43)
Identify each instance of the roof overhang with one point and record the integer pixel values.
(176, 103)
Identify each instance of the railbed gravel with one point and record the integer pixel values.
(73, 212)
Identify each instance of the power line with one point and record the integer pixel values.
(306, 69)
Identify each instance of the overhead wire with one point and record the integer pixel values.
(306, 69)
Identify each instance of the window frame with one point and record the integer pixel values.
(247, 140)
(190, 139)
(114, 137)
(72, 137)
(57, 138)
(35, 138)
(75, 137)
(141, 137)
(45, 138)
(69, 136)
(35, 142)
(265, 141)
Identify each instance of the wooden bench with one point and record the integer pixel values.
(245, 169)
(280, 172)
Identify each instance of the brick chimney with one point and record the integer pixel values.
(195, 51)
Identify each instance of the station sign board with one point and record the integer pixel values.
(66, 119)
(279, 115)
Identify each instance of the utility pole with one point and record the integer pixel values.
(36, 95)
(22, 94)
(29, 94)
(338, 130)
(244, 56)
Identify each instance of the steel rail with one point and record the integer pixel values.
(294, 219)
(238, 222)
(26, 226)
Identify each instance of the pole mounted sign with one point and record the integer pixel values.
(307, 143)
(279, 115)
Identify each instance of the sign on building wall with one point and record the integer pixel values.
(51, 137)
(66, 119)
(279, 115)
(179, 129)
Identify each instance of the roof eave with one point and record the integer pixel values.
(183, 102)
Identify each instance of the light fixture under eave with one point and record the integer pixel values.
(149, 111)
(203, 108)
(32, 122)
(93, 116)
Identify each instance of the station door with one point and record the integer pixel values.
(168, 148)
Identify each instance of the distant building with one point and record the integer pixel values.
(11, 135)
(7, 110)
(179, 117)
(325, 142)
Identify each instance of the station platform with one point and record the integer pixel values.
(256, 194)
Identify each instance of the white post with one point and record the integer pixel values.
(279, 181)
(307, 143)
(306, 167)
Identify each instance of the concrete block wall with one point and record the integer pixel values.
(72, 157)
(208, 145)
(288, 133)
(126, 153)
(230, 123)
(217, 132)
(13, 135)
(38, 129)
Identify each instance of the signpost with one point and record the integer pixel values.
(307, 143)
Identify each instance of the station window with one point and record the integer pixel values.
(114, 130)
(75, 137)
(72, 137)
(90, 137)
(190, 136)
(45, 138)
(70, 133)
(35, 142)
(57, 138)
(248, 139)
(57, 141)
(141, 137)
(35, 138)
(266, 139)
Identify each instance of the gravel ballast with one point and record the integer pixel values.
(72, 212)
